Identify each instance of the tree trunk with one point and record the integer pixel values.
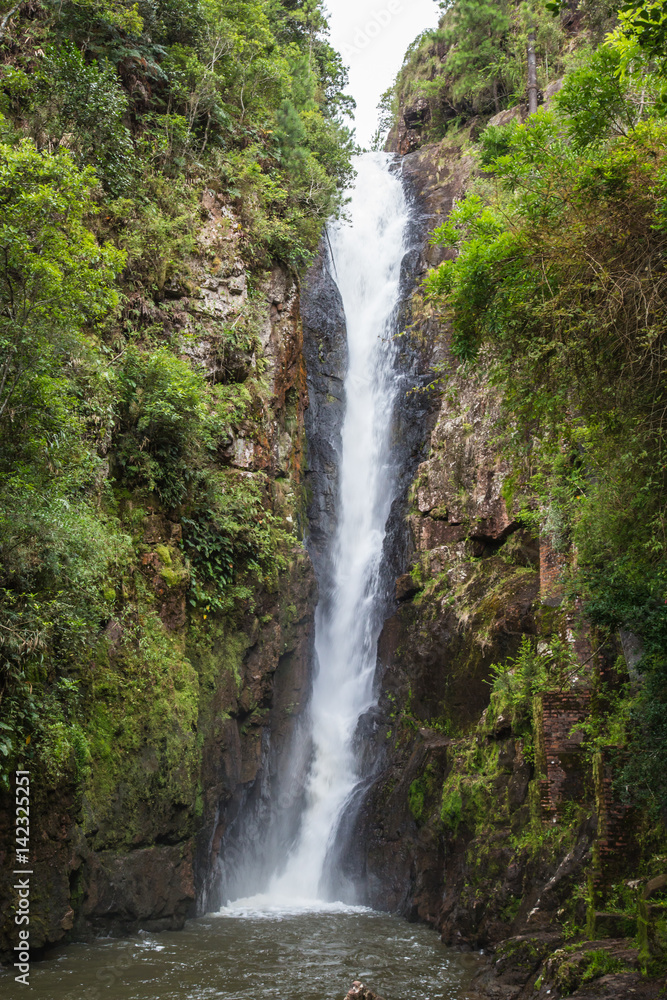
(532, 74)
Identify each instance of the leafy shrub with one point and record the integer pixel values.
(54, 275)
(59, 560)
(230, 532)
(516, 682)
(557, 294)
(155, 230)
(162, 412)
(82, 107)
(599, 103)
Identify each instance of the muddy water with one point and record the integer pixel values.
(241, 954)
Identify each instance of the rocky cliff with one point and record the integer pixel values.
(491, 817)
(167, 172)
(325, 357)
(180, 719)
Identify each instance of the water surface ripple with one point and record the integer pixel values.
(240, 954)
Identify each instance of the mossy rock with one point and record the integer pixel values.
(523, 953)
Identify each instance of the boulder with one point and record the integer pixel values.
(360, 992)
(656, 885)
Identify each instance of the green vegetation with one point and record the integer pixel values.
(575, 970)
(474, 64)
(521, 678)
(424, 793)
(556, 292)
(116, 118)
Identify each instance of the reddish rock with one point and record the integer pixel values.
(552, 564)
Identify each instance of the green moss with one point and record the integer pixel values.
(216, 651)
(290, 614)
(468, 794)
(523, 954)
(451, 810)
(424, 793)
(585, 967)
(416, 799)
(164, 553)
(174, 577)
(141, 719)
(511, 909)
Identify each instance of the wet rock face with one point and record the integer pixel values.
(435, 655)
(132, 845)
(458, 490)
(325, 354)
(436, 177)
(254, 718)
(152, 888)
(412, 123)
(464, 603)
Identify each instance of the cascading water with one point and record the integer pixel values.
(367, 252)
(313, 947)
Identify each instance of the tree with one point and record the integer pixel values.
(122, 14)
(641, 35)
(54, 275)
(82, 107)
(476, 33)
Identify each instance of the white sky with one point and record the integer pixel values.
(372, 36)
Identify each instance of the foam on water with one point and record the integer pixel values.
(265, 907)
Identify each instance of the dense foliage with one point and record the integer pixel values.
(115, 117)
(557, 291)
(474, 64)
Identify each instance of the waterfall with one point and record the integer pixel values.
(367, 250)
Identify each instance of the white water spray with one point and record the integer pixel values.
(367, 254)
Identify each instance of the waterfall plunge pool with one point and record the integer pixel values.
(246, 954)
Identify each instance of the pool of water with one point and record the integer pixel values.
(243, 953)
